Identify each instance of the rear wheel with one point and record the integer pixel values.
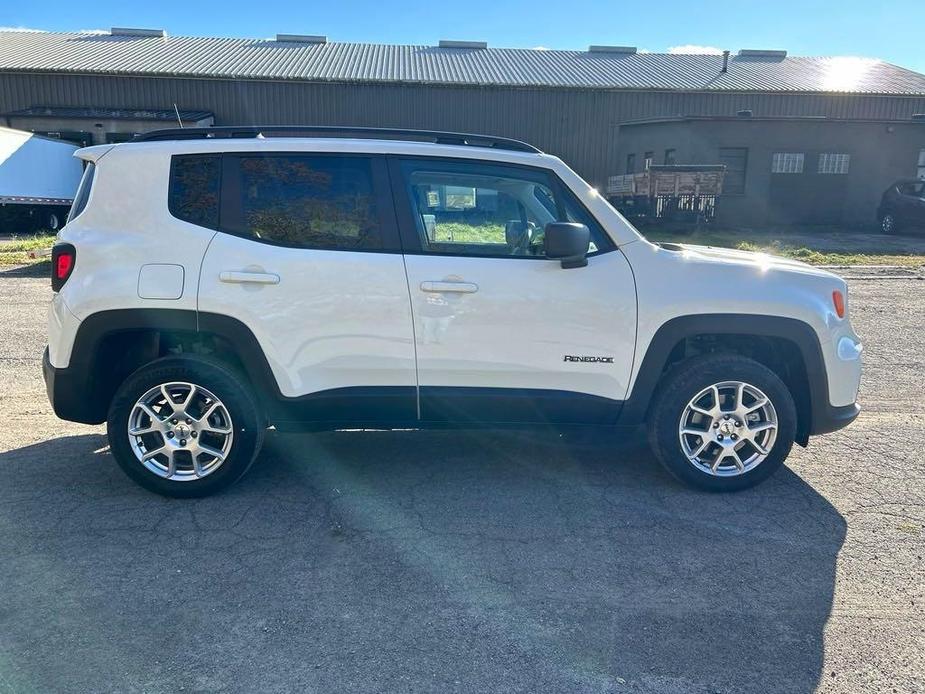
(722, 422)
(184, 426)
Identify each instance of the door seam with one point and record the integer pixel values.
(394, 191)
(414, 340)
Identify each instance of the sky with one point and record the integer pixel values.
(893, 31)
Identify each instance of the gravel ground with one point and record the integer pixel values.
(442, 561)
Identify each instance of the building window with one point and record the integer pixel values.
(647, 159)
(832, 163)
(787, 163)
(736, 161)
(920, 173)
(670, 157)
(630, 163)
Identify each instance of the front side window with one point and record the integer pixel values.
(787, 163)
(483, 210)
(195, 184)
(307, 201)
(833, 163)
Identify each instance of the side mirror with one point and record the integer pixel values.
(568, 242)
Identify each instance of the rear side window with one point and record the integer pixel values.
(83, 192)
(305, 201)
(195, 182)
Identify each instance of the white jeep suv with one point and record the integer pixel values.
(211, 283)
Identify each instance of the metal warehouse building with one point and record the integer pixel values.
(805, 139)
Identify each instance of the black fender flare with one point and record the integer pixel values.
(81, 394)
(819, 415)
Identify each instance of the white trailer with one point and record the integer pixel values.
(38, 179)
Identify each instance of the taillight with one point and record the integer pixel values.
(838, 301)
(63, 257)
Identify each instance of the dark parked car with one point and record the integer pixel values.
(902, 205)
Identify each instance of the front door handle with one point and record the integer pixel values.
(237, 277)
(459, 287)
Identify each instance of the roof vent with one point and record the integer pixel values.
(744, 113)
(754, 53)
(446, 43)
(301, 38)
(918, 116)
(126, 31)
(612, 49)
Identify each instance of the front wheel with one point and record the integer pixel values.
(722, 422)
(185, 426)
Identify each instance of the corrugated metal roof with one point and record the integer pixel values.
(513, 67)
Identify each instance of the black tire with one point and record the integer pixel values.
(248, 423)
(889, 224)
(52, 221)
(683, 383)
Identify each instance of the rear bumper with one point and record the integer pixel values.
(67, 393)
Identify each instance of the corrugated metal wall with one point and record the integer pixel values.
(580, 126)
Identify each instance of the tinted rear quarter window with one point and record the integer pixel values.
(195, 184)
(82, 196)
(306, 201)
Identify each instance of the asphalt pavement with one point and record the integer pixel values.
(523, 561)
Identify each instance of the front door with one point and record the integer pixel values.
(502, 333)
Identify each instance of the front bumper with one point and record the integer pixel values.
(827, 418)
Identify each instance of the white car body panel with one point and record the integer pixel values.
(526, 315)
(62, 329)
(120, 231)
(335, 319)
(698, 280)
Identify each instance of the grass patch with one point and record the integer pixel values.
(16, 251)
(815, 249)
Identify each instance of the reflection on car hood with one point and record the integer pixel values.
(763, 260)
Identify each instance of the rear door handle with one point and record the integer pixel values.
(236, 277)
(459, 287)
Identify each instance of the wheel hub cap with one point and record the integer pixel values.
(728, 428)
(180, 431)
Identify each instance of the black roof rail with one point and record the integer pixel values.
(432, 136)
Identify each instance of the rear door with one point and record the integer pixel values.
(308, 258)
(504, 334)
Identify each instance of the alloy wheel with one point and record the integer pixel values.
(728, 429)
(180, 431)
